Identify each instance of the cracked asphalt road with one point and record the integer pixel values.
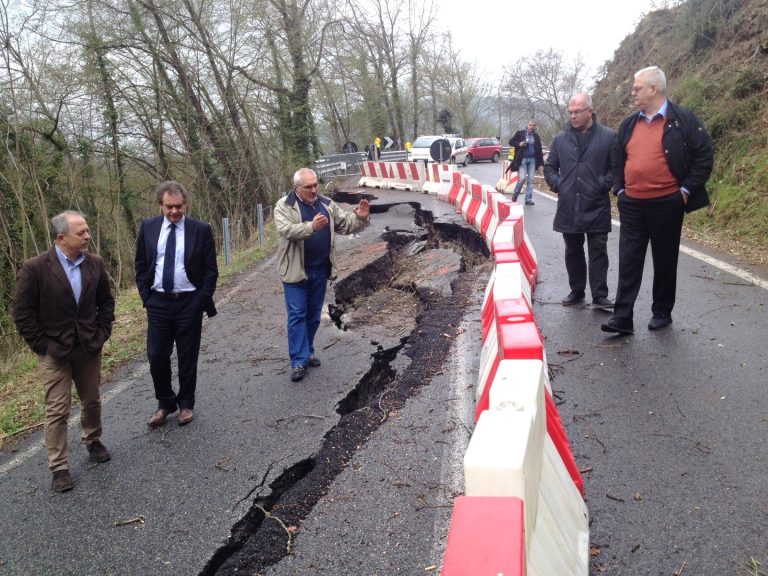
(668, 427)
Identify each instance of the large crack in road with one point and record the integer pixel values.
(418, 286)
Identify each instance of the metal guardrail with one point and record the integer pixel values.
(393, 156)
(340, 164)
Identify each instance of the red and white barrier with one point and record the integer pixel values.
(406, 176)
(499, 209)
(475, 203)
(467, 199)
(391, 175)
(511, 244)
(508, 180)
(438, 178)
(556, 518)
(456, 187)
(487, 537)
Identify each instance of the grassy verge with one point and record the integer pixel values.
(21, 397)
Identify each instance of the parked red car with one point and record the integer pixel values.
(483, 149)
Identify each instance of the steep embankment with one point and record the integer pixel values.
(715, 55)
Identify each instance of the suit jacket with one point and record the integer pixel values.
(199, 259)
(45, 312)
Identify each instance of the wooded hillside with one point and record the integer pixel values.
(715, 56)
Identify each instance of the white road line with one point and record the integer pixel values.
(724, 266)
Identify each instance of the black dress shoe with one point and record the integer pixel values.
(659, 322)
(616, 327)
(572, 298)
(314, 362)
(298, 373)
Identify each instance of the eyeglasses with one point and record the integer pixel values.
(579, 111)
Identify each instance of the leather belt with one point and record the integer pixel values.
(172, 295)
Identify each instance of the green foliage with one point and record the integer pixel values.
(725, 120)
(749, 82)
(691, 91)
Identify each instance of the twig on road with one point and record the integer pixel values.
(596, 435)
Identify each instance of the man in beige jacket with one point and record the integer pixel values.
(307, 223)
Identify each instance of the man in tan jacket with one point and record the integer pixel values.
(307, 223)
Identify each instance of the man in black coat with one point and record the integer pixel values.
(528, 158)
(176, 275)
(578, 170)
(662, 160)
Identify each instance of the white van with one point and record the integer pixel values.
(420, 149)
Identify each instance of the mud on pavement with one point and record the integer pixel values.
(407, 294)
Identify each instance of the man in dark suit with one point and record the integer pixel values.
(176, 274)
(529, 157)
(64, 308)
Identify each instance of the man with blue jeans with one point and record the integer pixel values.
(528, 158)
(306, 224)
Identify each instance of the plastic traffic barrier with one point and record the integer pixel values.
(486, 538)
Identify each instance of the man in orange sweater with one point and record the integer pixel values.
(662, 159)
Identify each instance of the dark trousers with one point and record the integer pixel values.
(169, 321)
(576, 264)
(660, 222)
(303, 305)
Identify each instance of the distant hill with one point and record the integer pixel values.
(715, 56)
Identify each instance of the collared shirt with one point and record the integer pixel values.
(72, 270)
(662, 113)
(180, 281)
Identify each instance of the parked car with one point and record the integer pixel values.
(420, 149)
(483, 149)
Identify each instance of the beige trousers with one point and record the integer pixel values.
(57, 377)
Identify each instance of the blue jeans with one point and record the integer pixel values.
(304, 304)
(526, 172)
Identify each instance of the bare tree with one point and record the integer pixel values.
(540, 85)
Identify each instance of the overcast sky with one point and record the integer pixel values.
(495, 32)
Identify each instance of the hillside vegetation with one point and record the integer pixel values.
(715, 55)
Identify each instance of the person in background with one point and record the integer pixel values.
(662, 159)
(64, 308)
(578, 170)
(176, 273)
(307, 223)
(528, 158)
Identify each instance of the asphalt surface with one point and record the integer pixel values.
(668, 426)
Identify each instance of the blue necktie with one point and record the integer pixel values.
(170, 260)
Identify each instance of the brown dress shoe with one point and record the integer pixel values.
(158, 418)
(62, 482)
(186, 416)
(98, 452)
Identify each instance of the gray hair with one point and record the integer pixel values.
(654, 75)
(60, 222)
(585, 95)
(300, 172)
(173, 188)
